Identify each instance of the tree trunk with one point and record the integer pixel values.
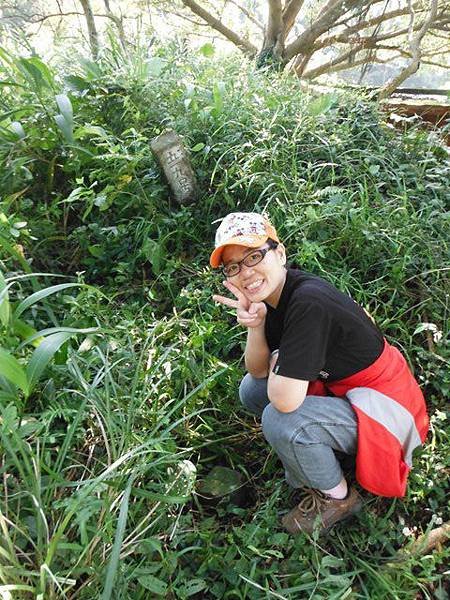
(92, 29)
(279, 24)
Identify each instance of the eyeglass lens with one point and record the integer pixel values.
(249, 261)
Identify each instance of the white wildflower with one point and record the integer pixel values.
(433, 328)
(436, 519)
(437, 336)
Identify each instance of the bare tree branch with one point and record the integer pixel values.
(327, 18)
(344, 36)
(346, 57)
(437, 50)
(434, 64)
(416, 52)
(246, 46)
(330, 5)
(343, 66)
(248, 14)
(290, 12)
(366, 41)
(433, 33)
(189, 20)
(360, 16)
(32, 19)
(117, 22)
(35, 18)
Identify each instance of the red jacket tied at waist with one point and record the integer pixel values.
(392, 420)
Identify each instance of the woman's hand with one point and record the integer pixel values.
(248, 314)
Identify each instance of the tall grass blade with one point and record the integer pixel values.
(115, 554)
(43, 355)
(36, 335)
(42, 294)
(4, 301)
(5, 589)
(14, 253)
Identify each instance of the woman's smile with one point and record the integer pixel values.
(254, 286)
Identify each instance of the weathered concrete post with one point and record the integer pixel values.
(174, 160)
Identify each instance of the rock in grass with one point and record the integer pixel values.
(220, 482)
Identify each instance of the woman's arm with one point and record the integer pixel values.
(285, 393)
(257, 353)
(253, 316)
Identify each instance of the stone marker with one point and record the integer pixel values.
(174, 160)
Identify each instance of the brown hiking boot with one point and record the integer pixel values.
(319, 511)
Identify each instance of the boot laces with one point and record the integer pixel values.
(313, 502)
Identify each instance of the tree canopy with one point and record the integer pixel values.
(324, 37)
(388, 40)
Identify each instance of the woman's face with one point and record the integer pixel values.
(263, 281)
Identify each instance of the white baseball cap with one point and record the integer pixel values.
(241, 229)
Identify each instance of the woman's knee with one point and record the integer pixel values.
(314, 422)
(253, 394)
(281, 429)
(276, 427)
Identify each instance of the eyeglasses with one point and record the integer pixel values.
(251, 260)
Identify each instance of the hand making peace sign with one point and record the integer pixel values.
(248, 314)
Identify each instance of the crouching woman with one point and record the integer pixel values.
(320, 375)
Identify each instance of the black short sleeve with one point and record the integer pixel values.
(320, 332)
(305, 339)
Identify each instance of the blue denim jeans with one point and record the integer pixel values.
(306, 439)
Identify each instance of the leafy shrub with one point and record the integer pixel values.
(98, 492)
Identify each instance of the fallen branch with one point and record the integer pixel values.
(425, 542)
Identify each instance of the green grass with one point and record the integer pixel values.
(101, 459)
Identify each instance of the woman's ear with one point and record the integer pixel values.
(281, 250)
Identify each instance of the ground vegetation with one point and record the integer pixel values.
(118, 374)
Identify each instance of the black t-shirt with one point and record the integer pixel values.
(320, 332)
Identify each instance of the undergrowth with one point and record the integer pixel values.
(136, 395)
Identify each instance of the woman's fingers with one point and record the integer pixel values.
(226, 301)
(244, 317)
(257, 308)
(248, 323)
(236, 292)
